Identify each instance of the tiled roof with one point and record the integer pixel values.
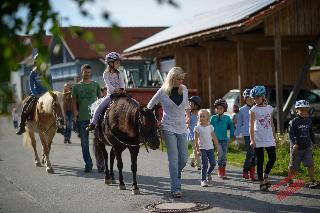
(223, 18)
(127, 37)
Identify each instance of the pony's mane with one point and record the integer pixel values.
(123, 115)
(47, 100)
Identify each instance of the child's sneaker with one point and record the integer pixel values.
(176, 194)
(313, 185)
(91, 127)
(209, 178)
(245, 175)
(264, 187)
(204, 183)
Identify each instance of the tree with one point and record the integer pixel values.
(39, 15)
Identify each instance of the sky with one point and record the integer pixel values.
(133, 13)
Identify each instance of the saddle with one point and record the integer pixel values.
(101, 122)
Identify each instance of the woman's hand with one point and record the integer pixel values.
(253, 144)
(295, 147)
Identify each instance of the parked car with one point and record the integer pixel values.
(232, 98)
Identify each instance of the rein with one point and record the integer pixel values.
(140, 135)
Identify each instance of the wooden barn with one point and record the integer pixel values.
(265, 42)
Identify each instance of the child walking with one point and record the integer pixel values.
(234, 119)
(262, 134)
(301, 138)
(114, 80)
(204, 134)
(195, 103)
(15, 118)
(221, 124)
(243, 128)
(68, 112)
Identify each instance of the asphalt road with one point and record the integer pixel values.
(26, 188)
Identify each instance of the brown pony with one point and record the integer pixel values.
(44, 120)
(125, 125)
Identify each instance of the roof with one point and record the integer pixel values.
(127, 36)
(219, 19)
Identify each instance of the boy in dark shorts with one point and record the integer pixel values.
(301, 138)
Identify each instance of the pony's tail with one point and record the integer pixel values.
(96, 150)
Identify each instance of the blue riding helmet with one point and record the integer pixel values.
(302, 104)
(246, 93)
(258, 91)
(197, 100)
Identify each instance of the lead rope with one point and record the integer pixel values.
(141, 135)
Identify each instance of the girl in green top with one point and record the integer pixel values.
(221, 124)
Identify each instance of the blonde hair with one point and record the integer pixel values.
(203, 111)
(174, 72)
(65, 87)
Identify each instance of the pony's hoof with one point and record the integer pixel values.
(107, 181)
(50, 171)
(135, 191)
(122, 187)
(38, 164)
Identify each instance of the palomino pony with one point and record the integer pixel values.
(125, 124)
(44, 120)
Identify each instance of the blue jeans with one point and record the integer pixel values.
(250, 156)
(207, 155)
(84, 137)
(222, 158)
(177, 150)
(67, 131)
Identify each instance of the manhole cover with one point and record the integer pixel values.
(176, 207)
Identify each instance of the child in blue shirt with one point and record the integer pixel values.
(301, 138)
(195, 103)
(243, 127)
(37, 88)
(221, 124)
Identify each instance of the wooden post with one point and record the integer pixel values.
(209, 76)
(240, 64)
(305, 70)
(278, 76)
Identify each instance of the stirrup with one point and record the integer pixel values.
(91, 127)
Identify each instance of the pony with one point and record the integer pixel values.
(125, 125)
(44, 119)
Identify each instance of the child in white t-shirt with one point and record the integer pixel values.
(204, 134)
(262, 134)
